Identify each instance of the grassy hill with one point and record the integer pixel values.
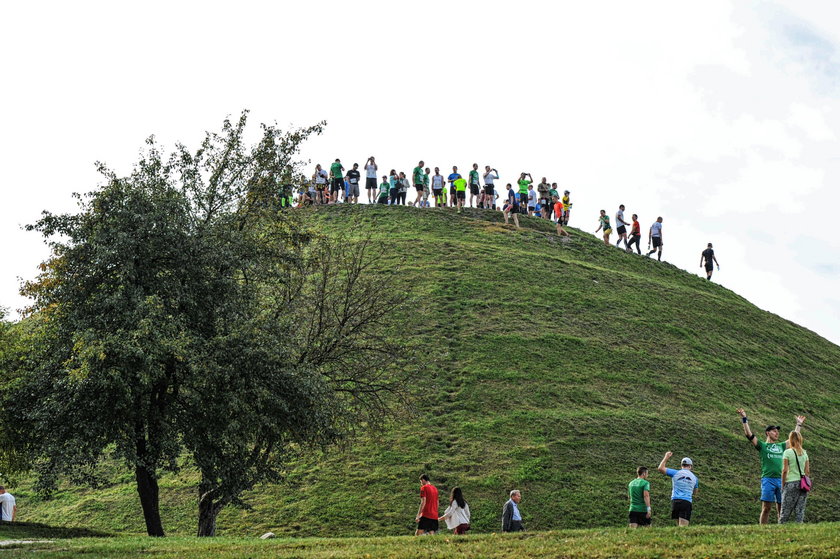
(553, 367)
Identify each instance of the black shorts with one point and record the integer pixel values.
(709, 266)
(474, 190)
(337, 184)
(681, 509)
(437, 192)
(488, 189)
(513, 207)
(639, 518)
(428, 524)
(461, 194)
(370, 183)
(452, 189)
(523, 199)
(657, 242)
(621, 230)
(418, 187)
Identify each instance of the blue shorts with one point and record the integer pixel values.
(771, 489)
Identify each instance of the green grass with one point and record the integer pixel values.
(802, 541)
(556, 368)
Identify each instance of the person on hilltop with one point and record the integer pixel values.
(438, 184)
(320, 177)
(684, 488)
(402, 191)
(511, 517)
(511, 207)
(475, 185)
(426, 189)
(771, 453)
(337, 184)
(394, 187)
(558, 211)
(427, 514)
(457, 514)
(567, 207)
(370, 179)
(460, 192)
(796, 472)
(635, 235)
(490, 175)
(532, 200)
(453, 176)
(638, 491)
(417, 177)
(708, 256)
(8, 507)
(604, 224)
(523, 190)
(384, 190)
(621, 227)
(545, 199)
(655, 237)
(353, 178)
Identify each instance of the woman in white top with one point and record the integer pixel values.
(457, 514)
(795, 464)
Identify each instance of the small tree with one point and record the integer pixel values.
(169, 315)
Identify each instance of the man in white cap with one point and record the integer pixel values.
(684, 488)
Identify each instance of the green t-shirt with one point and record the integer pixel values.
(418, 175)
(473, 177)
(460, 184)
(771, 458)
(384, 189)
(552, 193)
(793, 471)
(636, 489)
(605, 222)
(523, 186)
(425, 179)
(335, 169)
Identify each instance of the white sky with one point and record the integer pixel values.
(720, 116)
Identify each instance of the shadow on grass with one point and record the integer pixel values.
(33, 530)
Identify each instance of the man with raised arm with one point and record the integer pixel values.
(770, 451)
(684, 484)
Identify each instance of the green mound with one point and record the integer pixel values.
(553, 367)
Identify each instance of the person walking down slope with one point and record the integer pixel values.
(558, 211)
(771, 453)
(635, 235)
(604, 223)
(709, 256)
(638, 491)
(457, 514)
(511, 517)
(427, 514)
(567, 207)
(684, 488)
(655, 237)
(621, 227)
(8, 507)
(511, 207)
(797, 475)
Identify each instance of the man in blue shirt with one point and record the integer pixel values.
(684, 488)
(453, 176)
(511, 519)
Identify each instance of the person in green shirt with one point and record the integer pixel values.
(384, 191)
(426, 190)
(460, 185)
(475, 189)
(337, 182)
(523, 189)
(604, 223)
(417, 178)
(771, 453)
(638, 491)
(796, 464)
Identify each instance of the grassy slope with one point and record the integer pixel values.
(553, 367)
(801, 541)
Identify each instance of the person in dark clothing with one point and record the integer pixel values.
(708, 256)
(511, 518)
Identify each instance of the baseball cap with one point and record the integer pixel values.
(687, 460)
(771, 427)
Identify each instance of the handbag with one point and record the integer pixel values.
(804, 481)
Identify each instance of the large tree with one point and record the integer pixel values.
(181, 312)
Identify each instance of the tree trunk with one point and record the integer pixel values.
(208, 510)
(147, 488)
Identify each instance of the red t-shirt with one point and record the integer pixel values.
(558, 208)
(635, 230)
(430, 510)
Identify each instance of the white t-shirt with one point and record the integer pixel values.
(490, 177)
(371, 171)
(455, 515)
(7, 506)
(656, 229)
(437, 182)
(619, 218)
(321, 176)
(532, 197)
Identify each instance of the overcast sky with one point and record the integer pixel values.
(721, 117)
